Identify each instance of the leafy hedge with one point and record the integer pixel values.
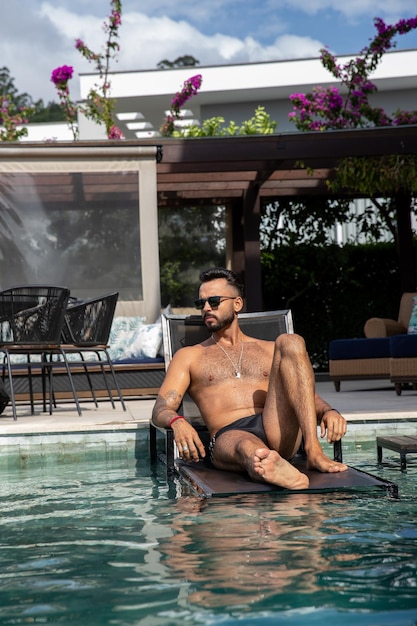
(332, 290)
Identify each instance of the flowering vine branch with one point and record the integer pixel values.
(11, 117)
(189, 89)
(60, 77)
(99, 107)
(324, 109)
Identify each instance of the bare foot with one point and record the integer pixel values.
(319, 461)
(272, 468)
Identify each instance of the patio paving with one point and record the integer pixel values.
(371, 408)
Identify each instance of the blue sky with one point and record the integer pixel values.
(36, 36)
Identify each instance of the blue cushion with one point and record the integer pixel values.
(139, 361)
(341, 349)
(403, 346)
(412, 324)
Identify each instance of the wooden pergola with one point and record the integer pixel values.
(243, 172)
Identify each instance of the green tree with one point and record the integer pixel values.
(391, 183)
(15, 108)
(292, 222)
(184, 61)
(9, 89)
(52, 112)
(331, 290)
(190, 239)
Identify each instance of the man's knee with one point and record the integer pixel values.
(290, 345)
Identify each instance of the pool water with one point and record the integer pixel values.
(110, 542)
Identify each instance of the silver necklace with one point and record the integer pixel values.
(236, 368)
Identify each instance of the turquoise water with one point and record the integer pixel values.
(108, 541)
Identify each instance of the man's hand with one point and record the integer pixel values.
(335, 425)
(189, 444)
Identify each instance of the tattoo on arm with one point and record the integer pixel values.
(168, 403)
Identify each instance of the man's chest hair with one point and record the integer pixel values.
(214, 367)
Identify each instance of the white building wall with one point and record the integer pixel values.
(234, 91)
(51, 132)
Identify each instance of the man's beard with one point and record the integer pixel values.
(219, 324)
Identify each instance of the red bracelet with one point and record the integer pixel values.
(176, 417)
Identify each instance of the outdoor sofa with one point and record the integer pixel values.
(388, 350)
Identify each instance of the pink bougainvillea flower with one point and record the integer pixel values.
(189, 89)
(115, 18)
(61, 75)
(115, 133)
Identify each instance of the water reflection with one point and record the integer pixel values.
(244, 552)
(291, 551)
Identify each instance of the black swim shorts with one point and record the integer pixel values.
(251, 424)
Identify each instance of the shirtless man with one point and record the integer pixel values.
(231, 376)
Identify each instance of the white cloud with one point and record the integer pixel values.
(145, 41)
(179, 38)
(286, 47)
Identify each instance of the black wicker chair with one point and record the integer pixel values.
(87, 330)
(31, 322)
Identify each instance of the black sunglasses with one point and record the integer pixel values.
(214, 301)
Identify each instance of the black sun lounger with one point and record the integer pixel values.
(210, 482)
(186, 330)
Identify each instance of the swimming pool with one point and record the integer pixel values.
(110, 542)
